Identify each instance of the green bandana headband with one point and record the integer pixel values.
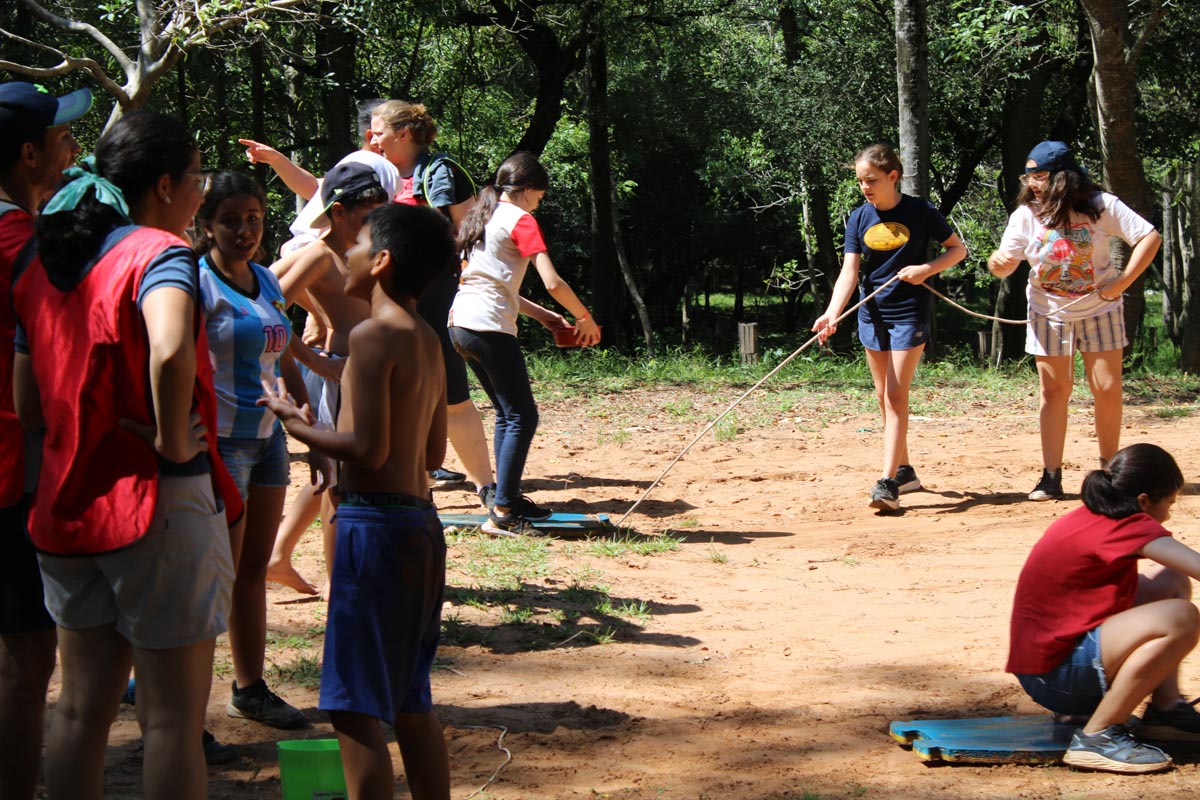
(79, 180)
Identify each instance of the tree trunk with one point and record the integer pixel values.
(606, 277)
(630, 283)
(825, 254)
(912, 83)
(1116, 102)
(335, 58)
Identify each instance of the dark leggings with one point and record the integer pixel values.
(498, 363)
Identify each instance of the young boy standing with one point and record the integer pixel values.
(390, 560)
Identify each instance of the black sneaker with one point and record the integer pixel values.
(487, 496)
(906, 479)
(260, 704)
(1180, 723)
(217, 753)
(1049, 487)
(445, 477)
(510, 524)
(885, 495)
(531, 510)
(1114, 749)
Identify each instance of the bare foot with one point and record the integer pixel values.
(283, 572)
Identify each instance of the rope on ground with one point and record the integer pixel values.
(499, 746)
(991, 318)
(746, 394)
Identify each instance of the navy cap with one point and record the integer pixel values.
(27, 109)
(1051, 157)
(347, 178)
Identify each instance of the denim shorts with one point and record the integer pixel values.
(1075, 686)
(256, 462)
(880, 335)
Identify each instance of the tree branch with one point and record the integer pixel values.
(74, 26)
(1157, 13)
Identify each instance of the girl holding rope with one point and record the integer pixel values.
(1062, 226)
(889, 237)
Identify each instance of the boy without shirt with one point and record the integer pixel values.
(315, 277)
(389, 571)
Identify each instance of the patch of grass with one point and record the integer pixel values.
(1174, 412)
(619, 437)
(455, 632)
(606, 635)
(717, 556)
(501, 562)
(628, 542)
(728, 429)
(679, 408)
(314, 631)
(516, 616)
(222, 669)
(290, 641)
(850, 561)
(304, 671)
(631, 610)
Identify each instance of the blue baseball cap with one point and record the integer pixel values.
(27, 109)
(1051, 157)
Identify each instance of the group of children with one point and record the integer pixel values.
(145, 541)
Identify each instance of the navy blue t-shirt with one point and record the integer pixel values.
(888, 241)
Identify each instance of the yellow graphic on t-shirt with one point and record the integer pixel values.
(886, 236)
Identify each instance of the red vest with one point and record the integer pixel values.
(16, 228)
(98, 485)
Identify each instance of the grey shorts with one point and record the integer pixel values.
(1046, 336)
(171, 588)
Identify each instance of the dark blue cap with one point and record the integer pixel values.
(1051, 157)
(27, 109)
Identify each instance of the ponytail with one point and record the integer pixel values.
(1135, 470)
(471, 232)
(520, 172)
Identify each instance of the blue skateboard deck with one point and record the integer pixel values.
(557, 522)
(989, 740)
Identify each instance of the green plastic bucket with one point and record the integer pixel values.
(311, 769)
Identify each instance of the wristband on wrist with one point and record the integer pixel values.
(583, 318)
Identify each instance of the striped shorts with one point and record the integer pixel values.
(1046, 336)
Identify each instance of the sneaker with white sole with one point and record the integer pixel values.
(906, 479)
(445, 477)
(1049, 487)
(510, 524)
(885, 495)
(1114, 749)
(487, 496)
(531, 510)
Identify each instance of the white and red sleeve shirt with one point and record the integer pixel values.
(489, 291)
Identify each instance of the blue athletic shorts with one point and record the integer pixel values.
(385, 607)
(256, 462)
(1075, 686)
(882, 335)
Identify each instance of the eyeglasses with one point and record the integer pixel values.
(203, 181)
(1042, 177)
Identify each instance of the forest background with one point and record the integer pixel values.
(699, 150)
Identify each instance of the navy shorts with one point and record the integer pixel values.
(22, 598)
(881, 335)
(1075, 686)
(385, 608)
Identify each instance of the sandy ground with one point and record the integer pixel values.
(785, 632)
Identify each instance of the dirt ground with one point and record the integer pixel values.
(765, 655)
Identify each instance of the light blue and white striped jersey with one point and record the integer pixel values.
(246, 335)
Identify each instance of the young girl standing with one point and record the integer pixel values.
(248, 335)
(890, 236)
(1092, 637)
(502, 237)
(1062, 226)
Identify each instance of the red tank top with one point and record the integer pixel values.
(16, 228)
(98, 484)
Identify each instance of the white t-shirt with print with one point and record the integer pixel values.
(1068, 263)
(488, 296)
